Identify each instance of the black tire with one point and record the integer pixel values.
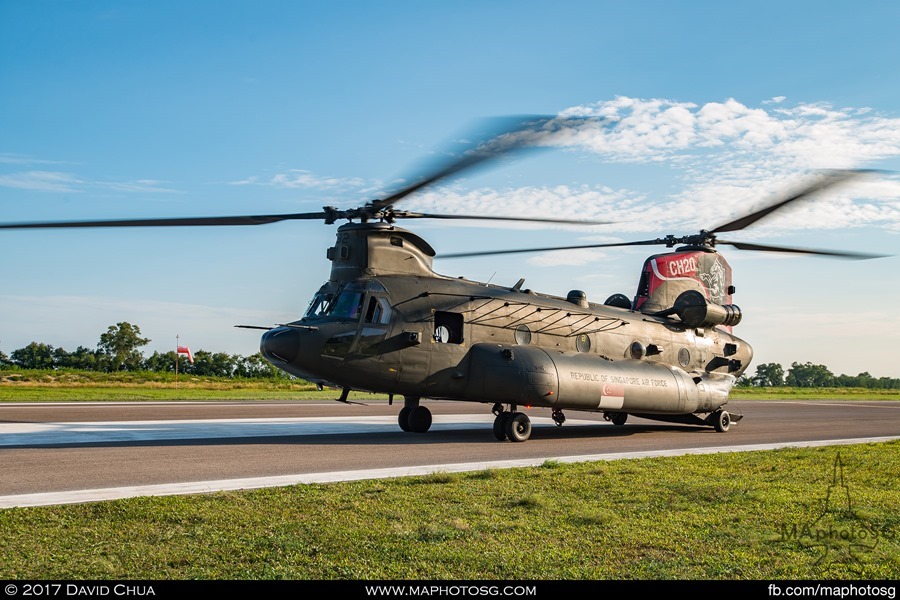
(722, 422)
(518, 427)
(419, 419)
(500, 426)
(403, 418)
(618, 418)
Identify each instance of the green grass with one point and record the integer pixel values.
(19, 385)
(796, 393)
(692, 517)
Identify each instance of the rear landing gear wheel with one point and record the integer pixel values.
(500, 426)
(518, 427)
(403, 418)
(419, 419)
(722, 421)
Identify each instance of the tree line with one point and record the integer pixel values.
(119, 350)
(810, 375)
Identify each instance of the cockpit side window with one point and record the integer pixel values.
(318, 306)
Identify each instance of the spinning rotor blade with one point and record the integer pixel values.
(410, 215)
(173, 222)
(521, 250)
(499, 140)
(767, 248)
(824, 180)
(672, 241)
(265, 219)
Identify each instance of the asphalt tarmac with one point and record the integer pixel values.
(56, 453)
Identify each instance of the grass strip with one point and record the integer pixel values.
(759, 515)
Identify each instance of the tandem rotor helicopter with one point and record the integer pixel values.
(386, 322)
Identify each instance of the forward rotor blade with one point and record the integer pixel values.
(490, 145)
(411, 215)
(522, 250)
(767, 248)
(168, 222)
(825, 180)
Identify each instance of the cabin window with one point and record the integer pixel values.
(378, 310)
(448, 327)
(637, 350)
(583, 342)
(523, 335)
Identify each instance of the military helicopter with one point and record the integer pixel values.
(386, 322)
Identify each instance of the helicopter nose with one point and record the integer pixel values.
(280, 344)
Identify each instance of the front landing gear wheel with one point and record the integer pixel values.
(518, 427)
(419, 419)
(722, 421)
(500, 426)
(618, 418)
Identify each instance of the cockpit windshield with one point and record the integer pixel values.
(347, 305)
(346, 302)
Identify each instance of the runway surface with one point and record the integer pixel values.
(53, 453)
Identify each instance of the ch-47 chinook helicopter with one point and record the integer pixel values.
(386, 322)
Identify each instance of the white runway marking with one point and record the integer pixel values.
(81, 433)
(94, 432)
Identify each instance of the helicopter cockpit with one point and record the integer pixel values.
(349, 301)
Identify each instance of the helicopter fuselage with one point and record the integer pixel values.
(386, 322)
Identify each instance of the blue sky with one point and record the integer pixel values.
(153, 109)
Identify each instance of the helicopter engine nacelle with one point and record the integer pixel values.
(695, 311)
(529, 376)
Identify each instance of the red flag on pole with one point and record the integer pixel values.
(186, 350)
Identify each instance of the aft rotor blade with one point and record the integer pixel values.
(490, 145)
(824, 180)
(522, 250)
(767, 248)
(168, 222)
(411, 215)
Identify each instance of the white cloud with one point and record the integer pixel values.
(42, 181)
(584, 256)
(302, 179)
(55, 181)
(729, 156)
(639, 130)
(22, 159)
(583, 203)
